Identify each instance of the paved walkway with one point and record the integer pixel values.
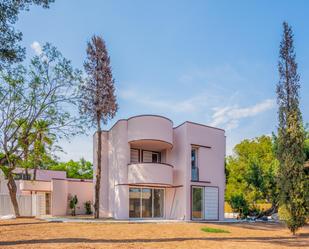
(89, 219)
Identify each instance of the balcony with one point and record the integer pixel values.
(40, 186)
(150, 131)
(150, 174)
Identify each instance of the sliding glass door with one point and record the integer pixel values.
(158, 203)
(135, 197)
(146, 203)
(197, 202)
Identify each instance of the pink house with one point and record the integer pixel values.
(48, 195)
(151, 169)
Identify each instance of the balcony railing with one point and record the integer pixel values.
(194, 174)
(150, 173)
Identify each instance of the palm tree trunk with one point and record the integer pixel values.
(13, 191)
(98, 174)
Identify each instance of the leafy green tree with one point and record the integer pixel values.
(43, 141)
(48, 91)
(10, 50)
(81, 169)
(252, 173)
(291, 136)
(239, 205)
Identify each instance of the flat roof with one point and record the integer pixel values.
(160, 116)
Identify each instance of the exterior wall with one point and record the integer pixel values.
(54, 182)
(119, 158)
(118, 173)
(84, 192)
(150, 127)
(59, 197)
(210, 160)
(179, 159)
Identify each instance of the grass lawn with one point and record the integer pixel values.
(32, 233)
(214, 230)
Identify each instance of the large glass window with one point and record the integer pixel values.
(158, 202)
(146, 203)
(135, 198)
(197, 202)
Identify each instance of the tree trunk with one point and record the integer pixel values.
(98, 176)
(13, 190)
(34, 173)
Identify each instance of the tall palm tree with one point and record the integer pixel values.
(43, 139)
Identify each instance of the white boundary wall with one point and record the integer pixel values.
(24, 201)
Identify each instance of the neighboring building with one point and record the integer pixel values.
(48, 195)
(151, 169)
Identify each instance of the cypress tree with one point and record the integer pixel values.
(291, 136)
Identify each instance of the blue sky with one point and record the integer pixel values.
(213, 62)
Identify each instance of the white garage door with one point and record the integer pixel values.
(211, 203)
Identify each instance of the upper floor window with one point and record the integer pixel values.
(145, 156)
(151, 156)
(135, 156)
(194, 165)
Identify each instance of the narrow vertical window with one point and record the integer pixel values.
(194, 166)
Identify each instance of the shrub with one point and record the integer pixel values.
(88, 207)
(73, 203)
(239, 204)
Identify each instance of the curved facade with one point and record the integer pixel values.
(151, 169)
(150, 129)
(150, 173)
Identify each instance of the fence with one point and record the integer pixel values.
(24, 202)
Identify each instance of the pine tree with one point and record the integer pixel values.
(291, 136)
(98, 101)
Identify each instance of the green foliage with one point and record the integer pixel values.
(239, 205)
(10, 50)
(252, 172)
(291, 137)
(88, 207)
(81, 169)
(284, 213)
(213, 230)
(72, 203)
(44, 90)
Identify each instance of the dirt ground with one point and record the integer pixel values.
(32, 233)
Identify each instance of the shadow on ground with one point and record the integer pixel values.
(298, 241)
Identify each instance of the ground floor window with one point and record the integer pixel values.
(146, 203)
(197, 202)
(204, 203)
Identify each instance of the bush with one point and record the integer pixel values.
(239, 205)
(73, 202)
(283, 213)
(88, 207)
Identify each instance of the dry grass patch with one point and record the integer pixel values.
(32, 233)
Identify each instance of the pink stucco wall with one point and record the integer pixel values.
(145, 130)
(63, 189)
(60, 187)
